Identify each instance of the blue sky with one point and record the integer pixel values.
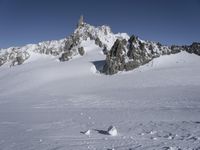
(32, 21)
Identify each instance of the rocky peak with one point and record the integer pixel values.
(80, 22)
(117, 49)
(132, 54)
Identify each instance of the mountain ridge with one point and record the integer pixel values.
(122, 51)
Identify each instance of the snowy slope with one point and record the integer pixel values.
(47, 105)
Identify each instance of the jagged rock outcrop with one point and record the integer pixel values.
(102, 36)
(126, 56)
(194, 48)
(136, 52)
(115, 59)
(66, 56)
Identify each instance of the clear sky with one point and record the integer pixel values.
(32, 21)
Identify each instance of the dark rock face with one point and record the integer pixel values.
(2, 60)
(117, 49)
(105, 50)
(131, 65)
(176, 49)
(194, 48)
(81, 51)
(113, 65)
(138, 53)
(69, 44)
(126, 55)
(98, 42)
(66, 56)
(19, 60)
(115, 60)
(134, 53)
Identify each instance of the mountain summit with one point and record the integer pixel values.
(102, 36)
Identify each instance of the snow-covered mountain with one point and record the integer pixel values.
(102, 36)
(123, 52)
(46, 104)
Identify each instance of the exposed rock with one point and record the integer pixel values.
(3, 60)
(112, 66)
(194, 48)
(128, 55)
(125, 54)
(133, 39)
(98, 42)
(18, 58)
(131, 65)
(159, 45)
(69, 44)
(176, 49)
(105, 50)
(115, 60)
(81, 51)
(118, 49)
(124, 41)
(66, 56)
(80, 22)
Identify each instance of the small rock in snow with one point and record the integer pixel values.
(153, 132)
(88, 132)
(142, 134)
(112, 131)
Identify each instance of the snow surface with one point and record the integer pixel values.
(48, 105)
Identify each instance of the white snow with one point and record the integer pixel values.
(45, 104)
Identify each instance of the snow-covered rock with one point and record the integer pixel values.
(112, 131)
(88, 132)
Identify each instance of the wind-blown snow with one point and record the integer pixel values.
(47, 105)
